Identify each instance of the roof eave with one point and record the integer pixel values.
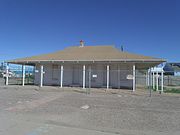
(100, 60)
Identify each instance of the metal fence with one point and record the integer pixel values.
(146, 79)
(15, 76)
(93, 78)
(115, 79)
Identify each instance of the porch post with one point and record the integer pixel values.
(107, 76)
(23, 75)
(61, 83)
(84, 76)
(157, 81)
(153, 80)
(41, 75)
(162, 81)
(7, 74)
(134, 77)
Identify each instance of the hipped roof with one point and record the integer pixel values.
(88, 53)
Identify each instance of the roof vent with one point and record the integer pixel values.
(81, 43)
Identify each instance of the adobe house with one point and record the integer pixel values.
(97, 66)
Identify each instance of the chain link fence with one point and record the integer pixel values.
(115, 79)
(171, 83)
(15, 75)
(118, 79)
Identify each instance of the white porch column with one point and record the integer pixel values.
(41, 75)
(7, 74)
(134, 77)
(23, 75)
(107, 76)
(162, 81)
(153, 82)
(84, 76)
(157, 81)
(62, 70)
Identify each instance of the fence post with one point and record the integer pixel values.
(23, 74)
(162, 81)
(84, 76)
(61, 83)
(107, 76)
(7, 75)
(41, 76)
(147, 77)
(150, 82)
(153, 81)
(134, 77)
(88, 92)
(157, 81)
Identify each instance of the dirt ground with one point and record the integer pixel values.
(29, 110)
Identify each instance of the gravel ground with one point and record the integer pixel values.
(50, 110)
(2, 81)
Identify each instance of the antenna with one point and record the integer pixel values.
(122, 48)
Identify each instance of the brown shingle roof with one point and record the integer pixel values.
(88, 53)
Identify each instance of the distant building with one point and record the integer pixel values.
(176, 68)
(168, 68)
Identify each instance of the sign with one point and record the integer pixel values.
(129, 77)
(36, 71)
(94, 76)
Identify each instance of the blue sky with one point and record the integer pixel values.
(32, 27)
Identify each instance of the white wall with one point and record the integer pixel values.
(67, 75)
(96, 69)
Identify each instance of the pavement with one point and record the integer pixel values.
(31, 110)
